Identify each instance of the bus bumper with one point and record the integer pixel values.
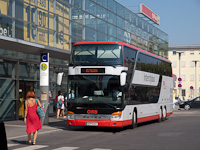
(98, 123)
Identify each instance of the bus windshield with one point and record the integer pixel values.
(94, 90)
(97, 54)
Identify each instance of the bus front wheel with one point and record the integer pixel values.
(134, 121)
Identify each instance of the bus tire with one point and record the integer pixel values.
(134, 121)
(164, 114)
(160, 115)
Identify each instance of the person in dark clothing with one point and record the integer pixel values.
(3, 139)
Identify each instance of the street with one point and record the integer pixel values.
(181, 131)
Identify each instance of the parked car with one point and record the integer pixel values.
(194, 103)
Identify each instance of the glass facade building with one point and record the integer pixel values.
(30, 27)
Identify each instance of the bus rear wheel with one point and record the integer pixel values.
(160, 115)
(164, 114)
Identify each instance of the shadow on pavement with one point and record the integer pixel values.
(62, 124)
(19, 142)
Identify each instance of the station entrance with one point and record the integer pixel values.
(24, 87)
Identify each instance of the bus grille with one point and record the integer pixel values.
(92, 117)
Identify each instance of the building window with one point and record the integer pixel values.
(191, 64)
(199, 90)
(174, 52)
(175, 92)
(191, 52)
(183, 52)
(183, 77)
(183, 92)
(191, 77)
(182, 63)
(174, 64)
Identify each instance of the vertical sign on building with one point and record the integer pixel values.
(44, 85)
(44, 69)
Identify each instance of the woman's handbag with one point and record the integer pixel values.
(40, 110)
(60, 103)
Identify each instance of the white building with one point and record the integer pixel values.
(184, 58)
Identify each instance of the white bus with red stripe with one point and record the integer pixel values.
(116, 85)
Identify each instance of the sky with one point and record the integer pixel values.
(180, 19)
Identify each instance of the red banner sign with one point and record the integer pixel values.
(149, 13)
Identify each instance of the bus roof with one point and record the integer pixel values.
(122, 43)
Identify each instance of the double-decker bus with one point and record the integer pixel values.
(115, 85)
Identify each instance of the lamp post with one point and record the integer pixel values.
(195, 89)
(179, 57)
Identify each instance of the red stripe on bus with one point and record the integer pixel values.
(148, 118)
(101, 123)
(109, 123)
(152, 54)
(99, 42)
(169, 113)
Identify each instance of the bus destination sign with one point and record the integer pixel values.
(92, 70)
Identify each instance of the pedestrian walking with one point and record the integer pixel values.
(31, 118)
(60, 105)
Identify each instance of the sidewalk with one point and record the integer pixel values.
(17, 128)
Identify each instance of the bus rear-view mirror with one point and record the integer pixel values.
(123, 78)
(59, 78)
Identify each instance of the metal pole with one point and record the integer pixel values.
(195, 92)
(179, 53)
(195, 88)
(195, 79)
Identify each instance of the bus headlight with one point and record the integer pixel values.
(70, 115)
(116, 115)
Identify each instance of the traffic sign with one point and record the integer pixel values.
(179, 85)
(191, 87)
(179, 79)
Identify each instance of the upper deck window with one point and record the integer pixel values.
(97, 54)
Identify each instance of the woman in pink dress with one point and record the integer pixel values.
(31, 117)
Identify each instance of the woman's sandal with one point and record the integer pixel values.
(28, 142)
(34, 142)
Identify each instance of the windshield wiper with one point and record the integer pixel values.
(112, 106)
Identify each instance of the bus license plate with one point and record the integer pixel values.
(91, 123)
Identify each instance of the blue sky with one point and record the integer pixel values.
(180, 19)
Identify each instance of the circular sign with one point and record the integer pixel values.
(43, 67)
(191, 87)
(179, 85)
(179, 79)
